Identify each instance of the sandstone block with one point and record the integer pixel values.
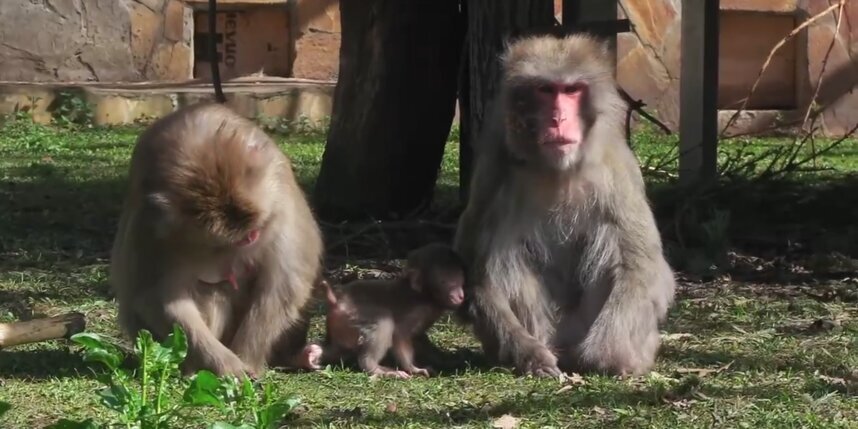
(174, 21)
(145, 26)
(154, 5)
(171, 62)
(317, 56)
(112, 109)
(650, 18)
(318, 15)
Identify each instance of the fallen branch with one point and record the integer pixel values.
(33, 331)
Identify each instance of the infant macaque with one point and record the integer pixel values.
(369, 317)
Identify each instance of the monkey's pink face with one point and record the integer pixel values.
(452, 290)
(547, 121)
(456, 294)
(561, 103)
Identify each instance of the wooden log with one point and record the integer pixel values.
(49, 328)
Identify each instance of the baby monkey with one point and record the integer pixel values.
(370, 317)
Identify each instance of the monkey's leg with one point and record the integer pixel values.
(495, 314)
(276, 307)
(376, 345)
(403, 350)
(622, 337)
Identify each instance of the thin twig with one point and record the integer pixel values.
(637, 106)
(768, 61)
(822, 75)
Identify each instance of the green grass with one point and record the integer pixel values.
(741, 350)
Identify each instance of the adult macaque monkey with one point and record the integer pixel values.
(216, 236)
(567, 268)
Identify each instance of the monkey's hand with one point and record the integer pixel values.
(225, 362)
(381, 371)
(426, 372)
(538, 361)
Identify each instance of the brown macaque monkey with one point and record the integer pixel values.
(368, 318)
(216, 236)
(567, 270)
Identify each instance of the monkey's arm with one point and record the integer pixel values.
(485, 185)
(494, 317)
(204, 347)
(274, 308)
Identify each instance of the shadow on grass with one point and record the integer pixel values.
(744, 362)
(784, 231)
(43, 364)
(57, 231)
(532, 405)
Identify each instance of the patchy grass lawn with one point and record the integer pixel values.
(768, 341)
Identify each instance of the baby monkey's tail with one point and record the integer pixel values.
(330, 297)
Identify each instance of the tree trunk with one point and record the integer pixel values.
(393, 107)
(490, 24)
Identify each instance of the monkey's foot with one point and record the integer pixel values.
(309, 358)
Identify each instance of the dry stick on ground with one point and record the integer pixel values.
(32, 331)
(772, 53)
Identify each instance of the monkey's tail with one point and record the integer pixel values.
(330, 297)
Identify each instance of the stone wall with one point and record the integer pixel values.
(95, 40)
(112, 41)
(317, 39)
(648, 60)
(152, 40)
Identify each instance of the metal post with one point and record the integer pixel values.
(698, 92)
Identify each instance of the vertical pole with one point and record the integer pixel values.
(698, 92)
(584, 11)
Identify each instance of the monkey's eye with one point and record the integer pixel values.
(571, 89)
(545, 89)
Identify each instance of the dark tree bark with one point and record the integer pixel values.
(393, 107)
(490, 24)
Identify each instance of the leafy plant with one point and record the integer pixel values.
(71, 109)
(238, 399)
(146, 398)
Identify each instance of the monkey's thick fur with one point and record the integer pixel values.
(216, 236)
(566, 263)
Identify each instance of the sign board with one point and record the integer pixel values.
(251, 41)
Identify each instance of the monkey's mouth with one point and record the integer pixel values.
(557, 143)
